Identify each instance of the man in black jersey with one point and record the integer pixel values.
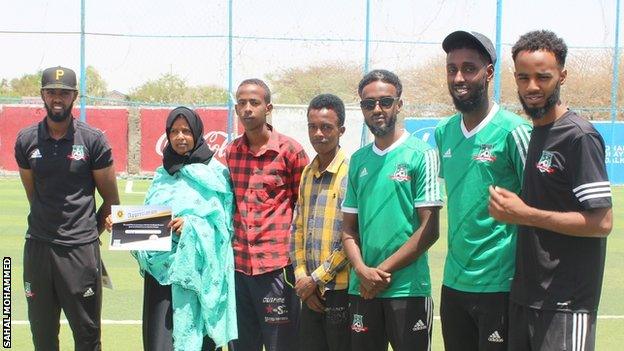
(564, 212)
(62, 162)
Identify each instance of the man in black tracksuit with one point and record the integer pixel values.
(564, 211)
(61, 163)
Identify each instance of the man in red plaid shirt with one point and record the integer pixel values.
(266, 167)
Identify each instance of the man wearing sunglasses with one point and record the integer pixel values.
(390, 220)
(479, 146)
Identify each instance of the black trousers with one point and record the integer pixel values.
(158, 318)
(69, 278)
(405, 322)
(328, 331)
(474, 321)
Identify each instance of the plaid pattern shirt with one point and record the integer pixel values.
(266, 187)
(317, 247)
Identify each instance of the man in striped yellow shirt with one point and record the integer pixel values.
(321, 266)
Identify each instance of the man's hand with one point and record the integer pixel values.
(372, 281)
(106, 185)
(108, 223)
(506, 206)
(177, 224)
(370, 294)
(305, 287)
(315, 302)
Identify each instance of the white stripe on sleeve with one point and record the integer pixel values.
(521, 137)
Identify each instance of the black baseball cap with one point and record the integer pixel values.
(58, 78)
(481, 40)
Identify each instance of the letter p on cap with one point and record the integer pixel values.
(59, 74)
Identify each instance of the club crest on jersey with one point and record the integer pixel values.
(545, 163)
(28, 290)
(358, 324)
(400, 174)
(485, 154)
(78, 153)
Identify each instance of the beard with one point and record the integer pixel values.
(540, 112)
(474, 101)
(59, 117)
(383, 130)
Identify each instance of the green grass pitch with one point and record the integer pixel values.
(125, 301)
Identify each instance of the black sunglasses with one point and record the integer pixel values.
(384, 102)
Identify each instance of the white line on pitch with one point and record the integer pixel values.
(104, 321)
(128, 188)
(136, 322)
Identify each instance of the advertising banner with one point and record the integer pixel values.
(154, 140)
(112, 122)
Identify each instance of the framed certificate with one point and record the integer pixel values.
(141, 228)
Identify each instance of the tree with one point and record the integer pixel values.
(96, 86)
(170, 88)
(26, 85)
(300, 85)
(206, 94)
(425, 92)
(5, 89)
(30, 84)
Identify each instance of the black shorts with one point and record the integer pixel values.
(267, 311)
(474, 321)
(68, 278)
(533, 329)
(405, 322)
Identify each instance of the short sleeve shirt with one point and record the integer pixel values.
(481, 251)
(565, 171)
(63, 206)
(384, 188)
(266, 186)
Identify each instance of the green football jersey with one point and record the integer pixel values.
(481, 250)
(384, 189)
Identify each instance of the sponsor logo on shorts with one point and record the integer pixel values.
(419, 326)
(337, 315)
(273, 300)
(495, 337)
(564, 304)
(88, 293)
(28, 290)
(275, 310)
(358, 324)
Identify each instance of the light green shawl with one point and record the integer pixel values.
(200, 265)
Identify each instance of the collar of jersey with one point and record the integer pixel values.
(69, 134)
(481, 125)
(394, 145)
(334, 165)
